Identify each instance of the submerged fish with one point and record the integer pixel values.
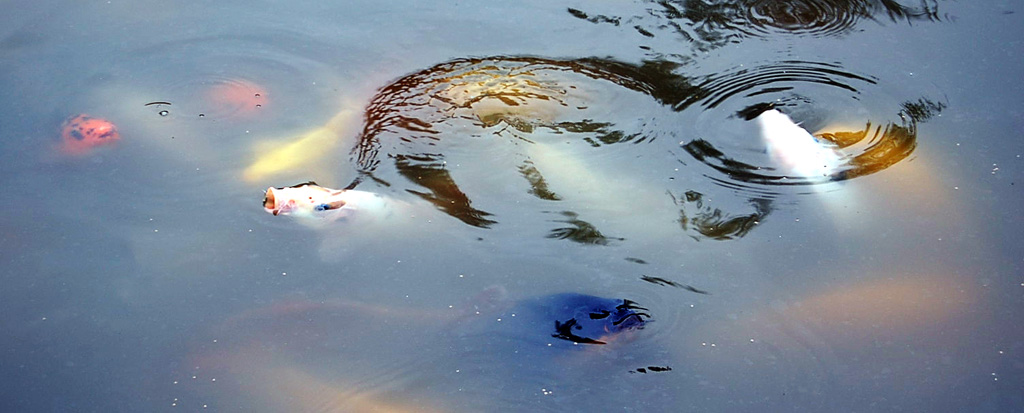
(576, 318)
(274, 158)
(83, 133)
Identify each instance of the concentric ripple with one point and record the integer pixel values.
(503, 115)
(707, 24)
(215, 96)
(231, 78)
(854, 121)
(814, 18)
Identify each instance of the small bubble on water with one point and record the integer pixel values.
(202, 115)
(164, 112)
(259, 105)
(257, 95)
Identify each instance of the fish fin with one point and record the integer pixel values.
(303, 184)
(327, 206)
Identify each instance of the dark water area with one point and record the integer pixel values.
(584, 206)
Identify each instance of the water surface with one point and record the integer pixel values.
(586, 147)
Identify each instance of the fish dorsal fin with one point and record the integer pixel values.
(303, 184)
(753, 111)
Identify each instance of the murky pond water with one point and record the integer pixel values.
(572, 206)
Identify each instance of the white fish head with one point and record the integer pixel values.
(303, 199)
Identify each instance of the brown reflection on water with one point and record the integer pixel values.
(524, 93)
(700, 220)
(708, 25)
(580, 231)
(429, 172)
(507, 108)
(884, 147)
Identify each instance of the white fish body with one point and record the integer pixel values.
(800, 155)
(797, 153)
(315, 204)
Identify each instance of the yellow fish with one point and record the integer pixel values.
(308, 149)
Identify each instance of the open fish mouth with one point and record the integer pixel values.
(270, 202)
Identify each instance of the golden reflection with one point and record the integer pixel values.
(888, 146)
